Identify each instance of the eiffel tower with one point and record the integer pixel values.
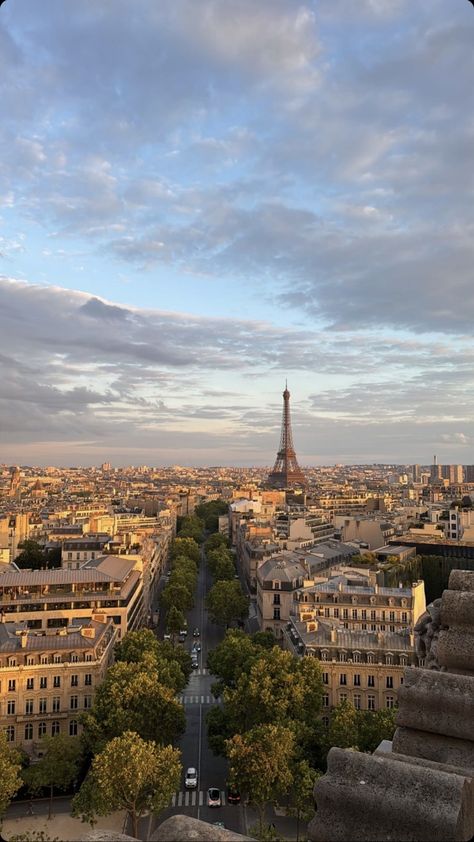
(286, 472)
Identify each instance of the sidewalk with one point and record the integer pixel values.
(60, 827)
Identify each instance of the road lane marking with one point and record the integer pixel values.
(201, 798)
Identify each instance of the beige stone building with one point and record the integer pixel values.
(48, 680)
(278, 580)
(52, 599)
(364, 668)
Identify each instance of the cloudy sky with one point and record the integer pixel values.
(200, 198)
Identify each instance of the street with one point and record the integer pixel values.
(197, 699)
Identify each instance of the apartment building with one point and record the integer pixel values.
(14, 528)
(355, 604)
(52, 599)
(75, 552)
(278, 579)
(372, 532)
(47, 679)
(362, 667)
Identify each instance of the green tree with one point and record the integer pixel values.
(58, 767)
(226, 602)
(301, 800)
(10, 767)
(191, 526)
(375, 726)
(179, 595)
(260, 764)
(133, 697)
(175, 621)
(234, 655)
(187, 547)
(209, 513)
(279, 688)
(224, 570)
(343, 727)
(129, 774)
(169, 652)
(32, 555)
(216, 540)
(135, 645)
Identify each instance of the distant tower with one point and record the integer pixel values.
(15, 481)
(286, 471)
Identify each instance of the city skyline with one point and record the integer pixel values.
(196, 203)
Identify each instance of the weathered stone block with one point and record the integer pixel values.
(439, 702)
(371, 798)
(461, 580)
(457, 609)
(187, 829)
(455, 649)
(435, 747)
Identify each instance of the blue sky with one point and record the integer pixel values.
(199, 198)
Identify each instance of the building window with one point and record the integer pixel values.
(28, 706)
(373, 615)
(370, 658)
(370, 702)
(389, 682)
(11, 708)
(57, 681)
(88, 679)
(357, 700)
(343, 656)
(389, 702)
(356, 657)
(89, 656)
(276, 613)
(41, 729)
(87, 702)
(30, 661)
(342, 678)
(371, 681)
(364, 614)
(342, 697)
(336, 612)
(345, 613)
(74, 658)
(276, 586)
(354, 613)
(357, 680)
(73, 703)
(325, 678)
(30, 684)
(325, 721)
(55, 728)
(276, 599)
(391, 616)
(43, 682)
(327, 612)
(11, 685)
(42, 705)
(404, 617)
(56, 704)
(74, 680)
(325, 700)
(56, 659)
(44, 659)
(73, 728)
(389, 658)
(10, 733)
(28, 731)
(403, 660)
(324, 656)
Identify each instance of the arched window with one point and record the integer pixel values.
(41, 730)
(55, 728)
(324, 655)
(10, 733)
(28, 731)
(370, 658)
(389, 658)
(73, 728)
(356, 657)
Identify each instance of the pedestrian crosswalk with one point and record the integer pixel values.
(199, 700)
(192, 798)
(203, 671)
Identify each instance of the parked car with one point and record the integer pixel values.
(214, 797)
(183, 632)
(196, 647)
(191, 778)
(196, 633)
(166, 636)
(194, 663)
(233, 795)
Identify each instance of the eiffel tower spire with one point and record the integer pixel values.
(286, 471)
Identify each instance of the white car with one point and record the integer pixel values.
(214, 797)
(191, 778)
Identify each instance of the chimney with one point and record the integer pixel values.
(333, 636)
(24, 639)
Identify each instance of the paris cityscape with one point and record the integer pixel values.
(236, 421)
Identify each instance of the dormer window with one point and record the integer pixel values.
(276, 585)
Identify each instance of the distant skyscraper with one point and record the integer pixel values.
(435, 470)
(286, 472)
(416, 473)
